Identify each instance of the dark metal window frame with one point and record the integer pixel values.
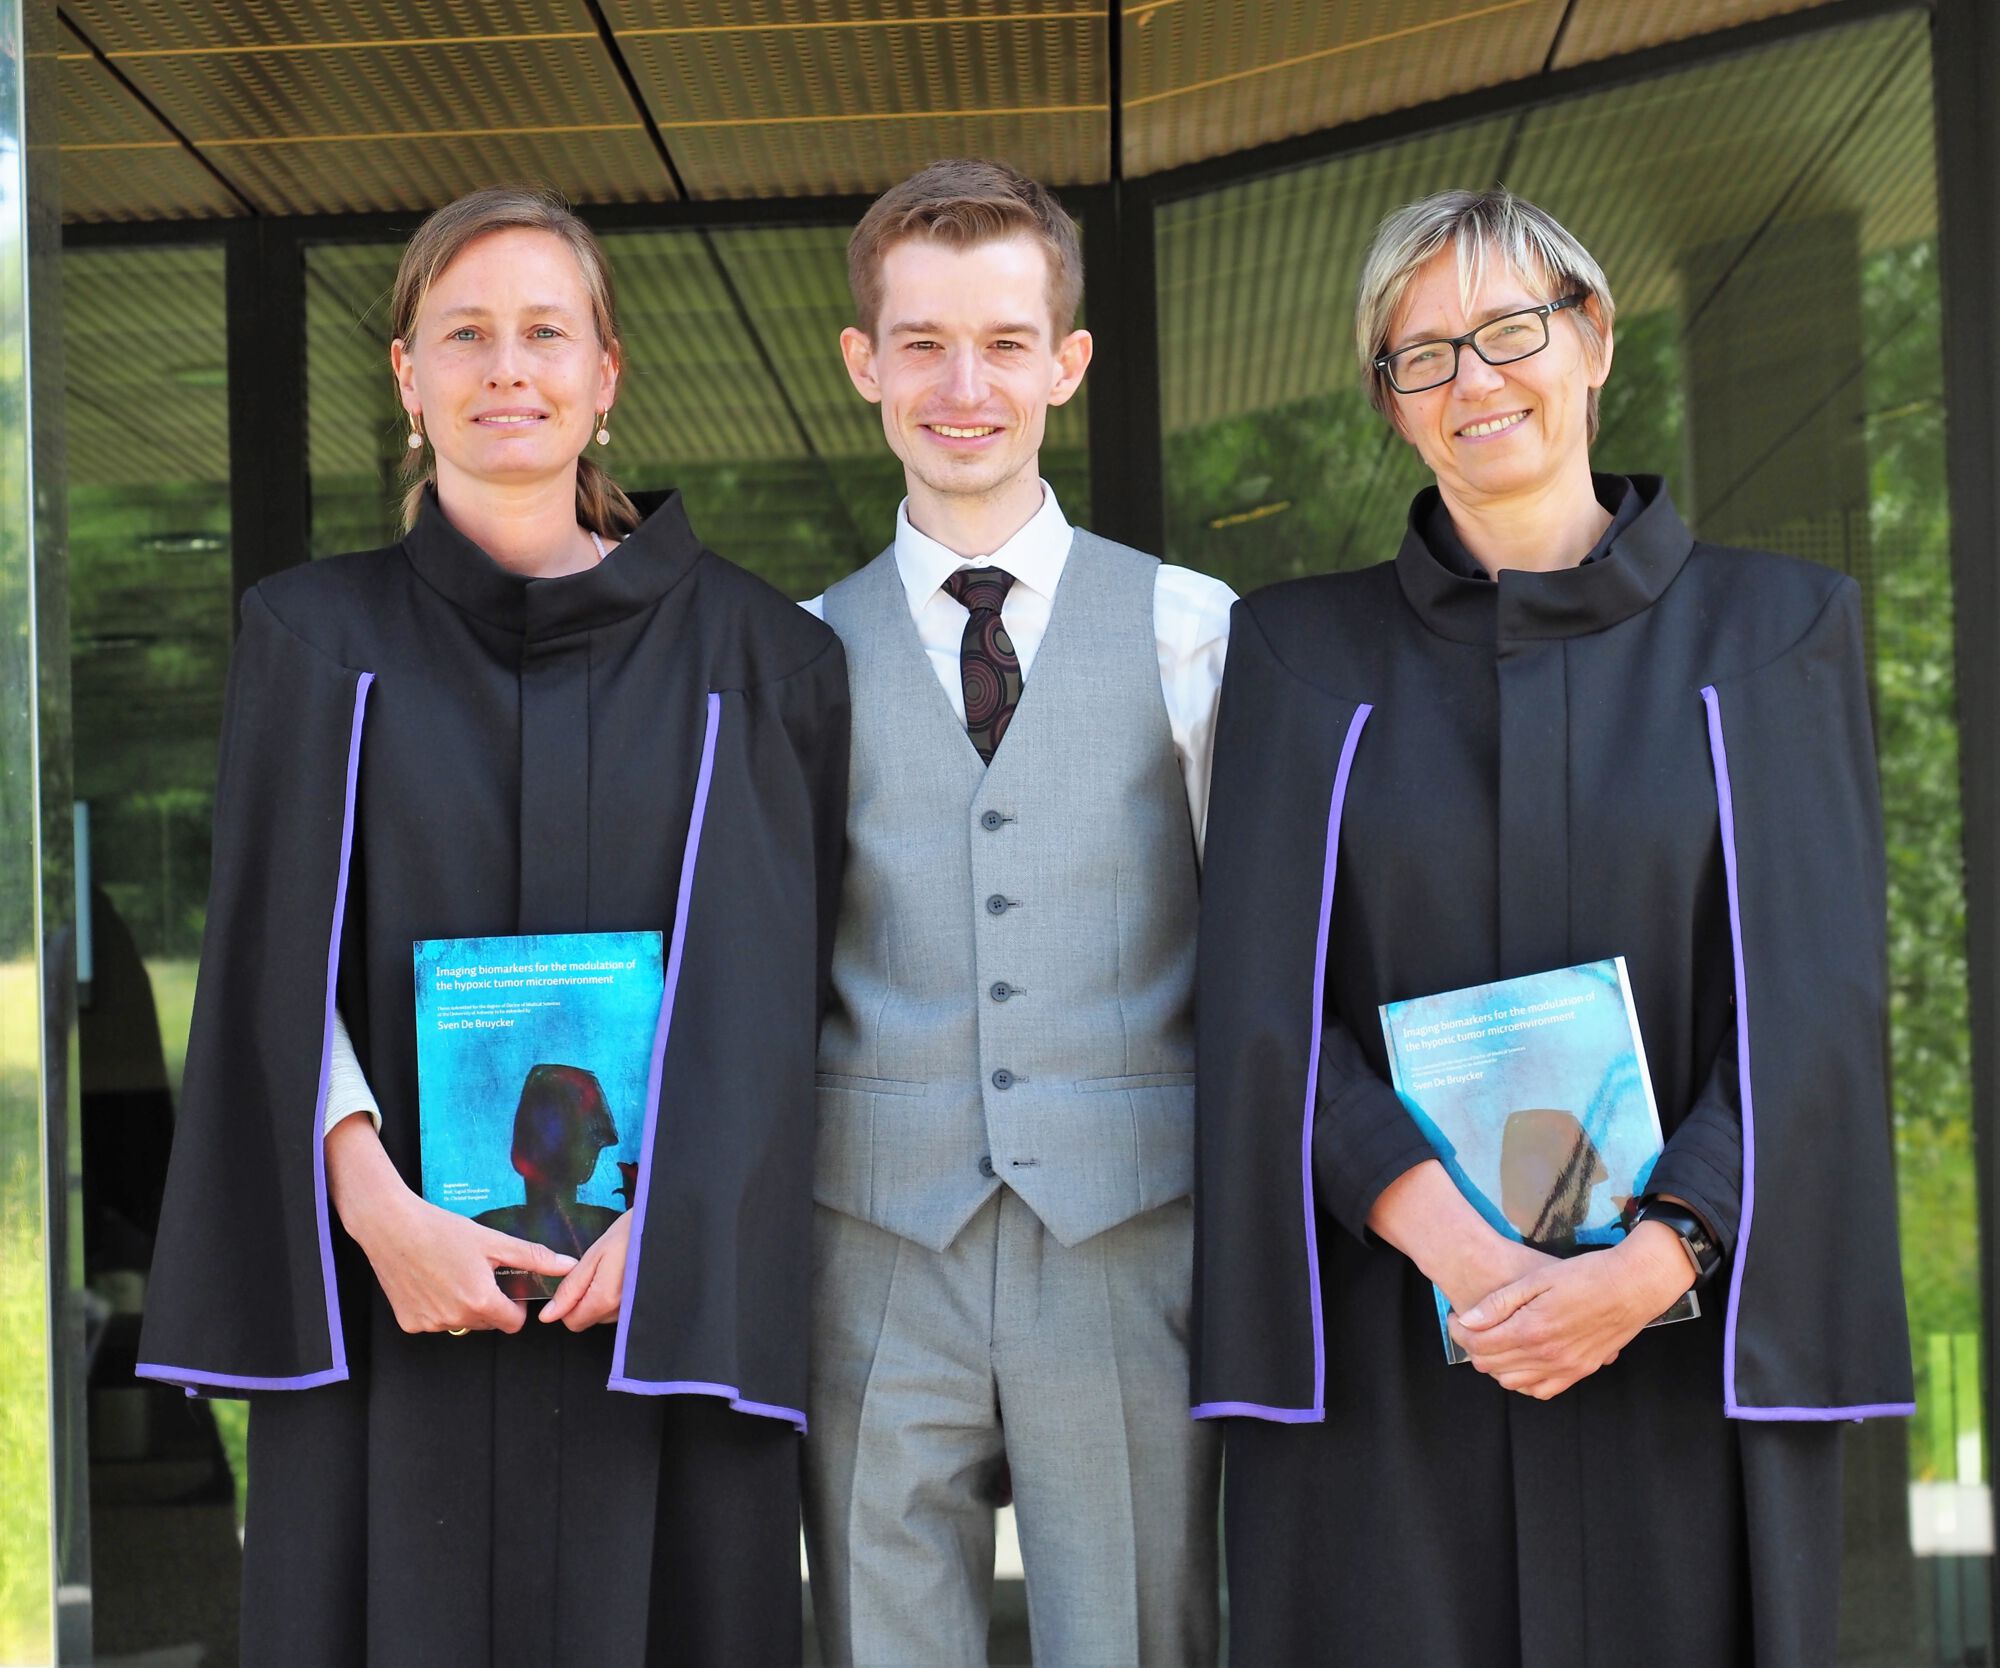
(265, 276)
(1965, 67)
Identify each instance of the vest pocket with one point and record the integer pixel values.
(871, 1085)
(1137, 1080)
(843, 1160)
(1161, 1108)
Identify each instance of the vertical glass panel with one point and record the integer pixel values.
(355, 428)
(1274, 463)
(1768, 224)
(33, 1011)
(733, 391)
(147, 389)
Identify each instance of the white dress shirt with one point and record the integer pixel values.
(1190, 625)
(347, 1088)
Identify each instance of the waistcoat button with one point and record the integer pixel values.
(986, 1165)
(996, 905)
(991, 820)
(1003, 1079)
(1001, 991)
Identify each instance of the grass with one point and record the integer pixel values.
(26, 1604)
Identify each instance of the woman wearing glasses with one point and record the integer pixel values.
(1555, 728)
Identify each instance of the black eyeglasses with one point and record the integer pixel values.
(1501, 341)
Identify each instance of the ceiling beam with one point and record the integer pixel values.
(153, 111)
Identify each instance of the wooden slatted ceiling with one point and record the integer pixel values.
(117, 160)
(370, 104)
(1604, 28)
(1203, 80)
(1255, 280)
(768, 98)
(400, 104)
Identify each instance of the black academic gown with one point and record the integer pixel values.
(1426, 780)
(420, 744)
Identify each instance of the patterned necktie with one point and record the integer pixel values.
(987, 664)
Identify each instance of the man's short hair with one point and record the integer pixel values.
(963, 202)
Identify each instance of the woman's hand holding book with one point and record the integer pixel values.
(436, 1268)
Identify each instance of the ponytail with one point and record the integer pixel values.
(601, 504)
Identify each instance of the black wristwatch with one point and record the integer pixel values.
(1696, 1240)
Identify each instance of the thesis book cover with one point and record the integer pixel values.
(1535, 1095)
(533, 1055)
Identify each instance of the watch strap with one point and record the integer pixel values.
(1696, 1240)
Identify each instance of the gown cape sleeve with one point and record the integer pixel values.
(245, 1294)
(1815, 1327)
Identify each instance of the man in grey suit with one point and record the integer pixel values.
(1006, 1097)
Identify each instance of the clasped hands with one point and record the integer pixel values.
(1533, 1323)
(1555, 1320)
(437, 1268)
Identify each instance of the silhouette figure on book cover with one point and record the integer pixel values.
(561, 1126)
(1548, 1168)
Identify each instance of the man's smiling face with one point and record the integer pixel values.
(965, 363)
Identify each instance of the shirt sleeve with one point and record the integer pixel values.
(347, 1090)
(1191, 625)
(816, 606)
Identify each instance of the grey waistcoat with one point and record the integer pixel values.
(1014, 975)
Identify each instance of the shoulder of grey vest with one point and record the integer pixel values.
(1084, 538)
(852, 590)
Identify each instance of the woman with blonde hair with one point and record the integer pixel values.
(536, 712)
(1557, 728)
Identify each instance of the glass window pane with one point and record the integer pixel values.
(355, 426)
(148, 434)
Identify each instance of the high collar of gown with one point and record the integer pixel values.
(1642, 551)
(651, 560)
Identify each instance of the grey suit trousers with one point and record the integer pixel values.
(1070, 1365)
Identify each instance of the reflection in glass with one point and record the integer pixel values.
(1778, 358)
(148, 480)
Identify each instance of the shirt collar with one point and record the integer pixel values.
(1034, 555)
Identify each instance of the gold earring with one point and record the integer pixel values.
(604, 428)
(416, 441)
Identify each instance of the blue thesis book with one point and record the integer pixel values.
(533, 1059)
(1535, 1094)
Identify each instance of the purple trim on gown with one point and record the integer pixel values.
(1316, 1413)
(1731, 1406)
(193, 1379)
